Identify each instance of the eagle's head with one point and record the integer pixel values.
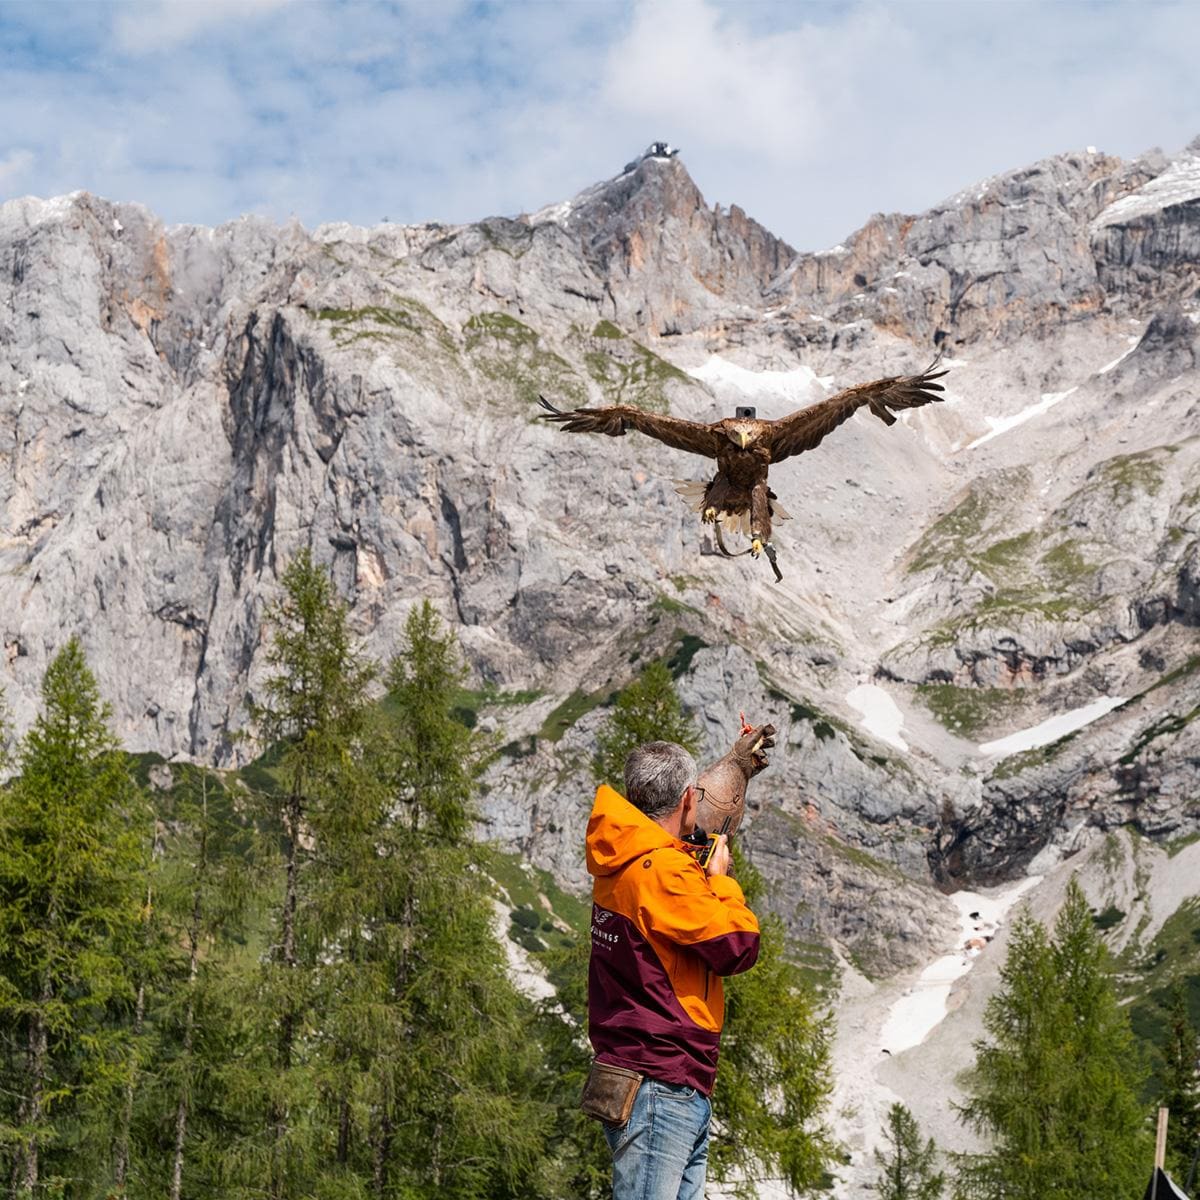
(743, 434)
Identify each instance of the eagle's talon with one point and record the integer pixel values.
(710, 516)
(756, 547)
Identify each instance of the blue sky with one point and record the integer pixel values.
(810, 116)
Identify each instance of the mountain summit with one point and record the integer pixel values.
(669, 260)
(185, 408)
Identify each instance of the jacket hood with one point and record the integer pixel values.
(618, 832)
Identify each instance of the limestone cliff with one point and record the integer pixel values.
(181, 409)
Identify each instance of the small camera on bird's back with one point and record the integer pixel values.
(746, 412)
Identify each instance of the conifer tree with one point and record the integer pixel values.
(648, 710)
(578, 1140)
(72, 860)
(908, 1169)
(148, 956)
(1181, 1086)
(1102, 1121)
(1056, 1084)
(1015, 1077)
(313, 717)
(775, 1074)
(205, 886)
(453, 1097)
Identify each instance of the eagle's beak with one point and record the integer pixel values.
(745, 438)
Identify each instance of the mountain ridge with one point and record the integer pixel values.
(186, 407)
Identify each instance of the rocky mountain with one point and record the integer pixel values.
(983, 656)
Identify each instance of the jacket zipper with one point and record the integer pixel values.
(706, 975)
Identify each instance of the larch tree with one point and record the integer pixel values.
(648, 710)
(312, 717)
(1181, 1085)
(72, 863)
(207, 885)
(775, 1074)
(1055, 1085)
(454, 1101)
(908, 1169)
(1101, 1117)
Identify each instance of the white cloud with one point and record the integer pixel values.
(689, 68)
(809, 117)
(14, 165)
(158, 25)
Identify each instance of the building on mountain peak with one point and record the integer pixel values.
(654, 150)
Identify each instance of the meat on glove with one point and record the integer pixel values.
(724, 783)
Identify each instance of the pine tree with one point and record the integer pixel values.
(72, 862)
(648, 710)
(452, 1100)
(775, 1075)
(314, 718)
(907, 1168)
(205, 886)
(1181, 1086)
(1056, 1084)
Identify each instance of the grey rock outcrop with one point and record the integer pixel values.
(181, 409)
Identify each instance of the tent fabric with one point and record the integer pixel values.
(1165, 1190)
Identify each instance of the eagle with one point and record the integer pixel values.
(745, 447)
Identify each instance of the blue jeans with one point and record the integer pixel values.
(662, 1152)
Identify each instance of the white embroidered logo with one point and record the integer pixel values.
(600, 937)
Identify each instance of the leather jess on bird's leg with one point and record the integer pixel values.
(724, 783)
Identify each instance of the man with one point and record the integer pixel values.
(664, 932)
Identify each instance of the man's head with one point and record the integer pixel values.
(660, 779)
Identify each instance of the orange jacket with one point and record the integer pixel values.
(663, 934)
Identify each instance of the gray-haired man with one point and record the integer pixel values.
(664, 932)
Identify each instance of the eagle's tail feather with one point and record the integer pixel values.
(693, 492)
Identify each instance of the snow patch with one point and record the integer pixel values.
(1004, 424)
(1052, 729)
(923, 1007)
(555, 214)
(560, 213)
(1178, 184)
(799, 387)
(34, 211)
(881, 715)
(1120, 357)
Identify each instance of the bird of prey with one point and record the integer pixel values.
(737, 496)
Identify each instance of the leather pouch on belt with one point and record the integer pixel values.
(610, 1092)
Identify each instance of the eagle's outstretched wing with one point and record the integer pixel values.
(615, 420)
(805, 429)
